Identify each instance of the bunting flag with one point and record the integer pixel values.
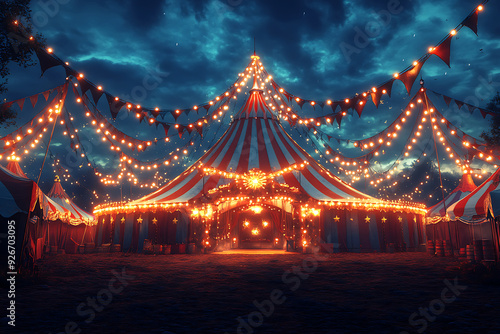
(408, 77)
(443, 50)
(46, 60)
(471, 21)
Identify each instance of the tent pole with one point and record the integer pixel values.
(47, 150)
(439, 167)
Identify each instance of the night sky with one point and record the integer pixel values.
(176, 54)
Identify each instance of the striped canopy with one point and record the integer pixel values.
(17, 193)
(60, 206)
(255, 140)
(465, 187)
(471, 207)
(56, 204)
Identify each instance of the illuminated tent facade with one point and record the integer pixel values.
(257, 188)
(69, 226)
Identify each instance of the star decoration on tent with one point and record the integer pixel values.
(384, 220)
(175, 221)
(155, 221)
(255, 179)
(336, 218)
(123, 220)
(400, 219)
(367, 219)
(415, 219)
(139, 220)
(111, 220)
(104, 220)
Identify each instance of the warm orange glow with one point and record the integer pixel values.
(257, 209)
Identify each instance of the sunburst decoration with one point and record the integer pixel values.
(254, 179)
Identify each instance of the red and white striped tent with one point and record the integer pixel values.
(290, 186)
(20, 201)
(472, 207)
(464, 188)
(255, 140)
(62, 207)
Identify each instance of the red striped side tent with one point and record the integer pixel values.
(472, 207)
(257, 188)
(62, 207)
(464, 188)
(20, 204)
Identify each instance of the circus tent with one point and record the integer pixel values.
(257, 188)
(20, 204)
(472, 207)
(464, 188)
(64, 225)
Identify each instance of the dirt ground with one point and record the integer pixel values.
(256, 293)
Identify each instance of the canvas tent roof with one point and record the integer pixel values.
(57, 204)
(17, 193)
(465, 187)
(255, 140)
(472, 206)
(61, 206)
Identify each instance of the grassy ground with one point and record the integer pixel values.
(257, 293)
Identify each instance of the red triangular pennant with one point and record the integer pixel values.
(408, 77)
(471, 21)
(483, 113)
(459, 104)
(360, 105)
(34, 100)
(376, 97)
(471, 108)
(46, 60)
(443, 50)
(338, 118)
(114, 105)
(84, 85)
(20, 103)
(387, 87)
(166, 127)
(447, 100)
(96, 93)
(46, 95)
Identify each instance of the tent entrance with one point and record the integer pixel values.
(256, 230)
(254, 226)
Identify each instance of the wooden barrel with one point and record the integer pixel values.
(191, 248)
(478, 250)
(182, 248)
(447, 248)
(431, 248)
(488, 253)
(167, 249)
(53, 249)
(469, 251)
(115, 248)
(462, 254)
(439, 248)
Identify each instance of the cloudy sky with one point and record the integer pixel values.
(175, 54)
